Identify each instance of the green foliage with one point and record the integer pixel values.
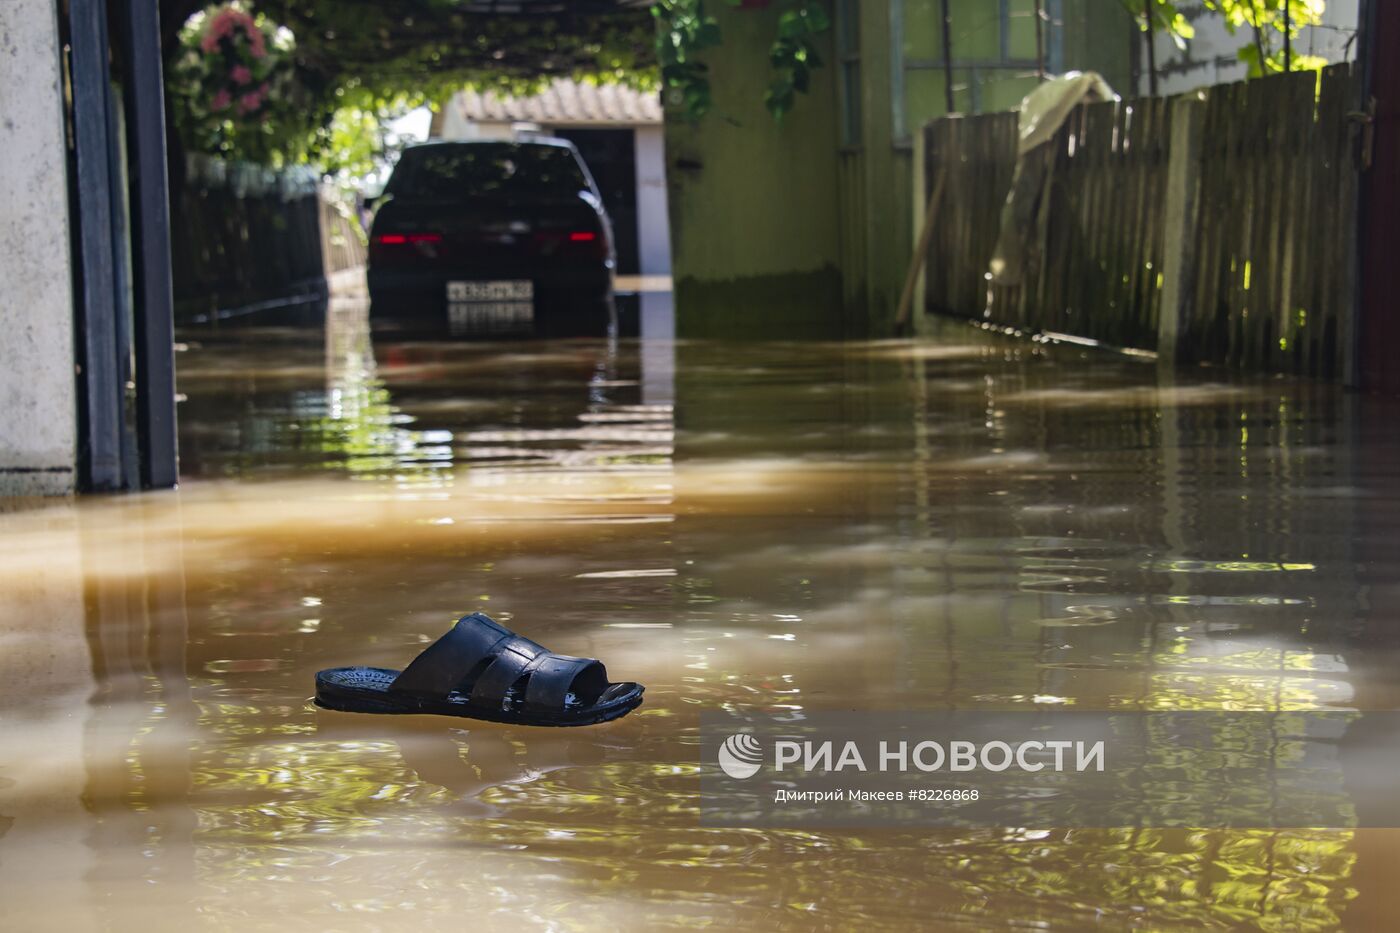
(356, 140)
(1265, 19)
(350, 65)
(684, 29)
(1162, 16)
(337, 70)
(794, 55)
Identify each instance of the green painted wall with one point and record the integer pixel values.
(773, 222)
(1100, 36)
(753, 216)
(886, 223)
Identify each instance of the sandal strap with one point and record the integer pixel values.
(555, 676)
(444, 664)
(477, 645)
(514, 659)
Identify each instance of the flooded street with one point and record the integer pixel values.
(969, 522)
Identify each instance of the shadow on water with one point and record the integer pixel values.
(963, 524)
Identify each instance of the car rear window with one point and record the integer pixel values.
(486, 168)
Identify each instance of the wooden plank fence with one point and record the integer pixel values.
(1274, 275)
(1266, 278)
(243, 235)
(978, 156)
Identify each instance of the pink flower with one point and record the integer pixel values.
(224, 23)
(249, 102)
(219, 25)
(241, 74)
(220, 101)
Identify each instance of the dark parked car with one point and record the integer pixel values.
(491, 236)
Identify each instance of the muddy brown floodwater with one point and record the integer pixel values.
(966, 522)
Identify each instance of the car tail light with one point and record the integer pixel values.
(399, 239)
(400, 248)
(571, 243)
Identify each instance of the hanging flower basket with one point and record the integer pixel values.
(233, 81)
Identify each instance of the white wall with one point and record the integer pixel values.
(1210, 58)
(451, 124)
(38, 415)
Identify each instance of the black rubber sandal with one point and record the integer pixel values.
(480, 670)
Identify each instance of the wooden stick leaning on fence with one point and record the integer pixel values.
(916, 263)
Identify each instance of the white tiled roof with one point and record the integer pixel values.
(563, 103)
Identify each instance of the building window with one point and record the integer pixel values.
(848, 58)
(994, 60)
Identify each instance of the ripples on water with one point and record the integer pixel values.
(771, 527)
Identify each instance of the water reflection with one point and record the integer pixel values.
(780, 528)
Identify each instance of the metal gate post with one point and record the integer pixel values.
(100, 395)
(153, 310)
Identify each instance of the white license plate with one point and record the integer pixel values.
(491, 290)
(490, 316)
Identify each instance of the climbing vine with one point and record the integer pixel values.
(313, 81)
(685, 30)
(1272, 26)
(1269, 21)
(337, 70)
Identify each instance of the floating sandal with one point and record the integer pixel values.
(480, 670)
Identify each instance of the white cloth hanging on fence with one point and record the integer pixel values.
(1043, 111)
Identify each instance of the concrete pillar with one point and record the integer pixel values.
(1179, 226)
(657, 304)
(38, 414)
(653, 225)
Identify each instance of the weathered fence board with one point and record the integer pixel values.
(248, 235)
(978, 155)
(1269, 277)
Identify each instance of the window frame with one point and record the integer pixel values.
(848, 74)
(900, 66)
